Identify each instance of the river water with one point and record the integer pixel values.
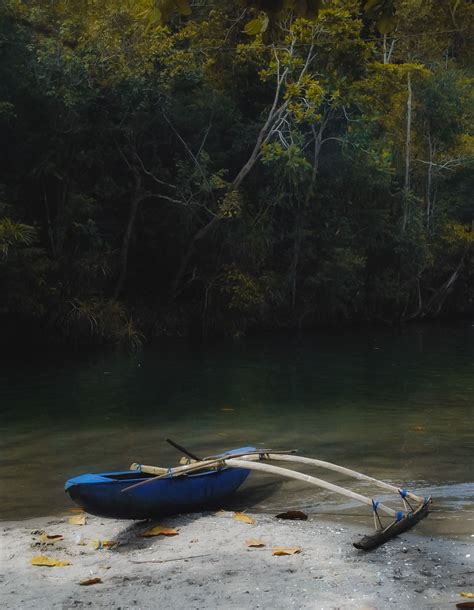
(397, 406)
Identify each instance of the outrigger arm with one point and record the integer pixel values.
(336, 468)
(300, 476)
(253, 461)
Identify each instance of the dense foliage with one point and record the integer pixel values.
(215, 167)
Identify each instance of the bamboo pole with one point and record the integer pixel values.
(258, 466)
(348, 472)
(283, 457)
(149, 469)
(207, 462)
(179, 470)
(292, 474)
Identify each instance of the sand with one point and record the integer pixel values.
(208, 565)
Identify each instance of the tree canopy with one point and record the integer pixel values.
(175, 167)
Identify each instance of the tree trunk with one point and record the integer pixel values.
(436, 302)
(123, 260)
(296, 257)
(48, 223)
(275, 114)
(189, 252)
(387, 51)
(265, 131)
(429, 184)
(406, 186)
(300, 216)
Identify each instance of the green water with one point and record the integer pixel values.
(397, 406)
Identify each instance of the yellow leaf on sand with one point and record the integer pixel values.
(284, 550)
(159, 530)
(90, 581)
(75, 509)
(51, 539)
(77, 520)
(244, 518)
(254, 542)
(42, 560)
(467, 594)
(103, 544)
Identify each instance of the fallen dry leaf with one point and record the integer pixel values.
(90, 581)
(465, 605)
(103, 544)
(160, 531)
(244, 518)
(466, 594)
(284, 550)
(42, 560)
(254, 542)
(51, 539)
(292, 514)
(77, 520)
(75, 509)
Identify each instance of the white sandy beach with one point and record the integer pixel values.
(208, 565)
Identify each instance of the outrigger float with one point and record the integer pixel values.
(150, 491)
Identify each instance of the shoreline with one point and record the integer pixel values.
(208, 565)
(59, 346)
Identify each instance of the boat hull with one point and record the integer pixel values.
(104, 495)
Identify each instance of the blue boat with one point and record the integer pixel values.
(103, 495)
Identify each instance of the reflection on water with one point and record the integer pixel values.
(396, 406)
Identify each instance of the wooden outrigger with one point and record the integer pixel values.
(401, 520)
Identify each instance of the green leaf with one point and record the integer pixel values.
(15, 234)
(257, 26)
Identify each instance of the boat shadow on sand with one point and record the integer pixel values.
(131, 538)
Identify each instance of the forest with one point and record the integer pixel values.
(219, 168)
